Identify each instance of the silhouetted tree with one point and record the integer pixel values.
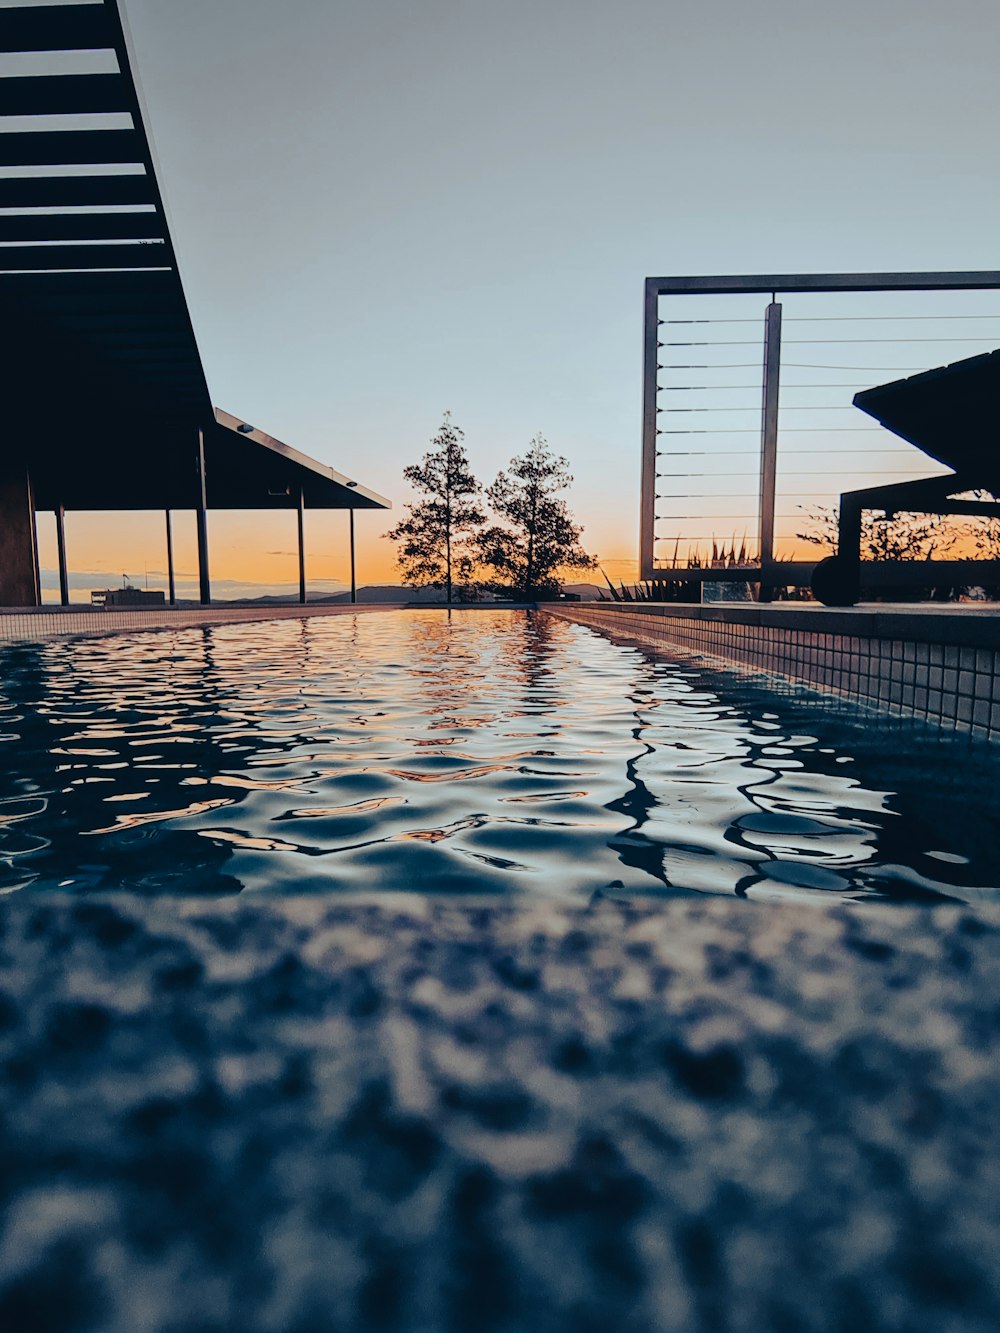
(983, 534)
(538, 536)
(902, 537)
(435, 541)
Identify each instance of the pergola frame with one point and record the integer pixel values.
(296, 479)
(106, 401)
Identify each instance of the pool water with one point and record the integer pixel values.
(485, 751)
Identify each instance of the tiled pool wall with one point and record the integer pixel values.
(47, 623)
(940, 664)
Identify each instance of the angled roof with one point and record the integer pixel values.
(951, 413)
(143, 468)
(105, 375)
(96, 296)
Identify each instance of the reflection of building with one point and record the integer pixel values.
(106, 406)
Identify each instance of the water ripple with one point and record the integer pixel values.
(493, 751)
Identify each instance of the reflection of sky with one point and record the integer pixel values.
(386, 210)
(728, 796)
(487, 751)
(735, 807)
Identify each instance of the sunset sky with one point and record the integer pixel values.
(384, 210)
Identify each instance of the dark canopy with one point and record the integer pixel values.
(141, 467)
(104, 390)
(952, 413)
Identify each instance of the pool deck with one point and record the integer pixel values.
(431, 1116)
(37, 624)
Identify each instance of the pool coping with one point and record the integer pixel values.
(41, 624)
(961, 624)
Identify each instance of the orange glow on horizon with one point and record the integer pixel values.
(252, 554)
(249, 553)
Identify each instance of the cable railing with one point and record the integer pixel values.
(704, 409)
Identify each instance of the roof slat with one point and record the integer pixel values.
(156, 354)
(82, 227)
(55, 294)
(55, 28)
(63, 94)
(126, 333)
(16, 258)
(68, 147)
(74, 191)
(180, 375)
(146, 310)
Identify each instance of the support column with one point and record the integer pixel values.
(170, 561)
(354, 581)
(769, 444)
(19, 583)
(302, 546)
(61, 550)
(647, 502)
(204, 585)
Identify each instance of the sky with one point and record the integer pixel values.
(385, 210)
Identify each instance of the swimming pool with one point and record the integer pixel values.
(492, 751)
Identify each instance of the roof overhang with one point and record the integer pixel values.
(104, 392)
(951, 413)
(141, 464)
(255, 462)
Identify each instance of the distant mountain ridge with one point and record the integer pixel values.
(381, 592)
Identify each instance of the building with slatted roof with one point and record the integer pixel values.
(106, 401)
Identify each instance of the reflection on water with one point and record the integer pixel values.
(491, 751)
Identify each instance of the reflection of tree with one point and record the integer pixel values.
(534, 665)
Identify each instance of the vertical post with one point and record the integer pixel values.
(354, 581)
(170, 561)
(849, 548)
(647, 502)
(60, 513)
(769, 444)
(204, 585)
(36, 565)
(19, 583)
(302, 546)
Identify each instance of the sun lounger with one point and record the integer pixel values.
(952, 414)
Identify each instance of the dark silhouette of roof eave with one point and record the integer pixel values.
(324, 487)
(145, 465)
